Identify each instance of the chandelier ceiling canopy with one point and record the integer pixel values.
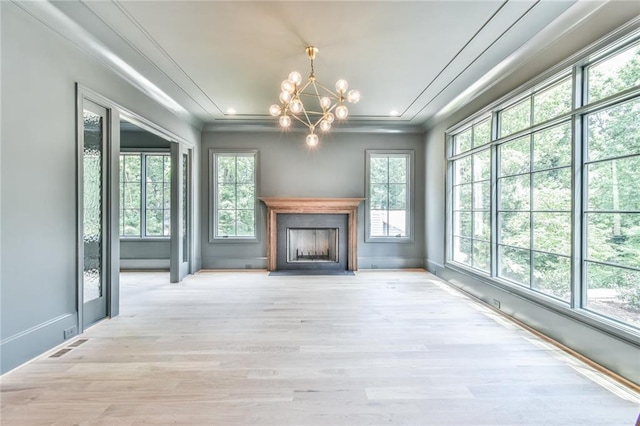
(312, 103)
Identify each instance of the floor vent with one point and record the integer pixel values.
(60, 353)
(77, 343)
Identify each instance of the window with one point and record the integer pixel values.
(565, 179)
(234, 194)
(389, 179)
(534, 211)
(471, 200)
(145, 208)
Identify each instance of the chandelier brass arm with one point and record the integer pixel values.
(331, 104)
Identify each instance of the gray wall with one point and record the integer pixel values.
(618, 354)
(335, 169)
(144, 253)
(38, 178)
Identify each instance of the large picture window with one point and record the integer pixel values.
(389, 182)
(549, 203)
(145, 195)
(234, 195)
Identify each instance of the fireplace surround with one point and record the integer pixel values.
(317, 207)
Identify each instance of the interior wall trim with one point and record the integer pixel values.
(28, 344)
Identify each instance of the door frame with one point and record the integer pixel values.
(112, 258)
(111, 263)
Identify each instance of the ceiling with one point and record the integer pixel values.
(204, 58)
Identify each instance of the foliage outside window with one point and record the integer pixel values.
(541, 142)
(145, 208)
(234, 198)
(388, 194)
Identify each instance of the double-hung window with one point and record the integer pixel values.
(388, 191)
(233, 177)
(145, 195)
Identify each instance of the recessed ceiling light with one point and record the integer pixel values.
(231, 111)
(394, 113)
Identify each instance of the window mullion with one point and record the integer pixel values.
(143, 195)
(495, 159)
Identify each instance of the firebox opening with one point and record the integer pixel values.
(312, 245)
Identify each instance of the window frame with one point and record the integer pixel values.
(213, 194)
(409, 154)
(143, 153)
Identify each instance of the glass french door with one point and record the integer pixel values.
(92, 213)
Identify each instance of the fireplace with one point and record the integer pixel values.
(312, 245)
(312, 233)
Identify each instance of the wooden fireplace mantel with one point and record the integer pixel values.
(277, 205)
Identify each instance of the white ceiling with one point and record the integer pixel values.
(209, 56)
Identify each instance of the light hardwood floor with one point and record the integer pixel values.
(245, 348)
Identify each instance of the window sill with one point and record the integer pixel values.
(234, 240)
(396, 240)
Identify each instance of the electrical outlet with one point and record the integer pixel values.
(496, 303)
(247, 266)
(70, 332)
(374, 266)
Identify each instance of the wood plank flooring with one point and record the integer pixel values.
(245, 348)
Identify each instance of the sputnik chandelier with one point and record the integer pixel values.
(330, 105)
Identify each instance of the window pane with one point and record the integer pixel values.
(552, 275)
(167, 223)
(515, 156)
(226, 197)
(514, 265)
(246, 223)
(462, 141)
(245, 170)
(378, 220)
(462, 197)
(482, 225)
(227, 223)
(462, 250)
(552, 190)
(552, 232)
(462, 224)
(614, 238)
(155, 222)
(482, 133)
(613, 75)
(226, 166)
(378, 169)
(397, 170)
(130, 196)
(397, 196)
(246, 197)
(155, 168)
(614, 131)
(155, 194)
(167, 196)
(131, 165)
(397, 225)
(515, 229)
(614, 292)
(462, 170)
(482, 166)
(131, 223)
(482, 196)
(379, 194)
(515, 118)
(613, 185)
(552, 102)
(482, 255)
(552, 147)
(514, 193)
